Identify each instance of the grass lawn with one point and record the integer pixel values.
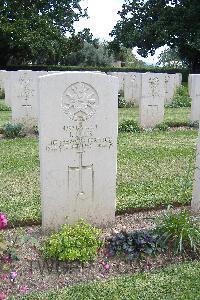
(181, 282)
(5, 116)
(171, 114)
(153, 168)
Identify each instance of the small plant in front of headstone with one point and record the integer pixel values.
(181, 98)
(79, 242)
(194, 124)
(133, 245)
(3, 225)
(121, 102)
(129, 126)
(162, 126)
(13, 130)
(179, 232)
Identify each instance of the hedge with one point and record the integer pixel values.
(185, 72)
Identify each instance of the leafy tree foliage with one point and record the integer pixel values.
(170, 58)
(92, 54)
(34, 30)
(149, 24)
(126, 56)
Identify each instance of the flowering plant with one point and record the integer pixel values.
(3, 221)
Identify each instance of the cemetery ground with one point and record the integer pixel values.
(155, 169)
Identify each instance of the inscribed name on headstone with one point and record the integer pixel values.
(24, 96)
(151, 108)
(194, 92)
(196, 184)
(132, 87)
(78, 147)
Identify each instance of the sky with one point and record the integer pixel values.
(102, 18)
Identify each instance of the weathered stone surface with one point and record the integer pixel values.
(171, 83)
(24, 96)
(196, 185)
(151, 108)
(132, 87)
(78, 147)
(194, 92)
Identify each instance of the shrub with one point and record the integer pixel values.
(133, 244)
(79, 242)
(3, 225)
(14, 130)
(181, 98)
(179, 231)
(2, 94)
(121, 102)
(194, 124)
(129, 126)
(162, 126)
(4, 107)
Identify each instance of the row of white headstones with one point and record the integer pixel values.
(77, 114)
(148, 90)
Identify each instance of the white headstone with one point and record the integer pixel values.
(2, 79)
(196, 185)
(132, 87)
(78, 147)
(121, 77)
(7, 87)
(24, 96)
(194, 91)
(151, 108)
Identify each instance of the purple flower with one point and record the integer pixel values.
(3, 221)
(13, 276)
(106, 266)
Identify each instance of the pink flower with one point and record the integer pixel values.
(106, 266)
(23, 289)
(2, 296)
(13, 276)
(3, 221)
(4, 277)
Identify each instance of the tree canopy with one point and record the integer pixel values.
(149, 24)
(34, 30)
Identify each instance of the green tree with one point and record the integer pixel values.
(149, 24)
(126, 56)
(92, 54)
(170, 58)
(34, 30)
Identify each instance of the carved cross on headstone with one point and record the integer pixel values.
(79, 102)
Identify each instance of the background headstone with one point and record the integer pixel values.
(78, 147)
(196, 185)
(24, 96)
(151, 108)
(194, 92)
(132, 87)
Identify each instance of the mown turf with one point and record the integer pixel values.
(181, 282)
(154, 168)
(178, 115)
(19, 179)
(5, 116)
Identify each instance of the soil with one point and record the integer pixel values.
(34, 274)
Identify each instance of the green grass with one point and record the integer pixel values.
(19, 179)
(181, 282)
(153, 169)
(5, 116)
(180, 115)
